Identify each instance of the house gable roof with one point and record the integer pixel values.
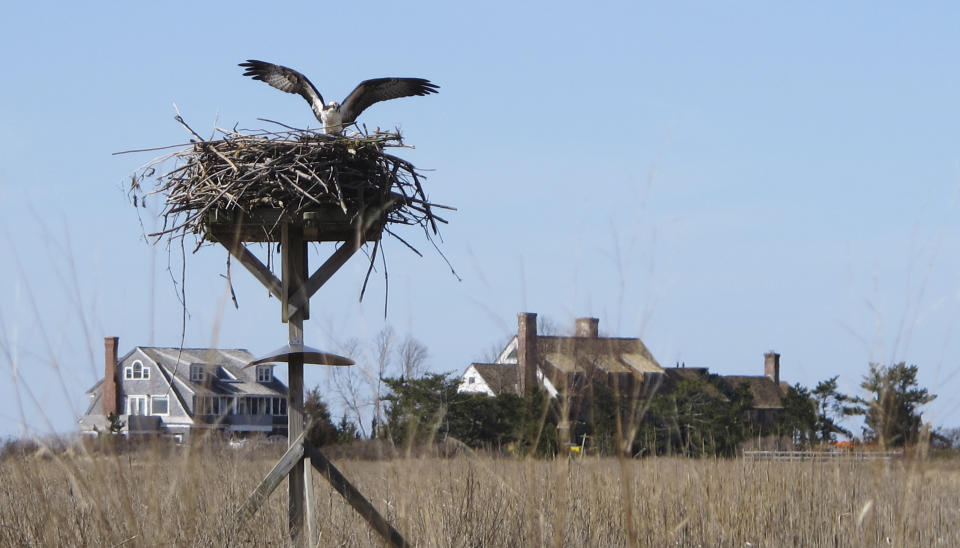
(588, 354)
(674, 375)
(240, 380)
(500, 378)
(766, 393)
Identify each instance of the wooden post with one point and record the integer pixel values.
(294, 267)
(294, 289)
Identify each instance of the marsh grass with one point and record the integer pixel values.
(188, 497)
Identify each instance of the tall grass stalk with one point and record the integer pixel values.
(162, 495)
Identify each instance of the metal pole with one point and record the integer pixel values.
(294, 266)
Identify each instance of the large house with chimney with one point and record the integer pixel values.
(571, 364)
(177, 392)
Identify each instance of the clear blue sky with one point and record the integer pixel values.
(718, 180)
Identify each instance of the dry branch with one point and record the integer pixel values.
(291, 172)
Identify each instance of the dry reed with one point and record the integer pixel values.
(149, 498)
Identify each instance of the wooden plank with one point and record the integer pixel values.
(310, 502)
(324, 273)
(257, 268)
(372, 219)
(294, 264)
(293, 455)
(326, 223)
(293, 259)
(343, 486)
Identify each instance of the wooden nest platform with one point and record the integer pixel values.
(243, 187)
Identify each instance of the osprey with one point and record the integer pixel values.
(334, 116)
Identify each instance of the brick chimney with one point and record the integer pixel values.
(526, 352)
(771, 366)
(588, 327)
(109, 397)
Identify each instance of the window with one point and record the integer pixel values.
(197, 372)
(264, 373)
(136, 371)
(136, 405)
(159, 405)
(211, 405)
(471, 380)
(259, 406)
(279, 406)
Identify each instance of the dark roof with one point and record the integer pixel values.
(501, 378)
(766, 393)
(587, 354)
(673, 375)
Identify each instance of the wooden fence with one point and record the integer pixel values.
(821, 455)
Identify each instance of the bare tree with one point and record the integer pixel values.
(493, 351)
(383, 348)
(360, 389)
(348, 382)
(412, 355)
(549, 327)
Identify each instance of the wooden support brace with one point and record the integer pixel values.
(310, 501)
(257, 268)
(301, 450)
(321, 276)
(337, 259)
(293, 455)
(343, 486)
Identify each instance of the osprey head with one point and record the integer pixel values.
(334, 105)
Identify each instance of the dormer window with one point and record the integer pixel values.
(264, 373)
(136, 371)
(198, 373)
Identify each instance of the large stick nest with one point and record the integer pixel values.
(291, 171)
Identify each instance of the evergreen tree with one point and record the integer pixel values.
(831, 407)
(799, 417)
(347, 431)
(416, 409)
(322, 431)
(891, 414)
(699, 416)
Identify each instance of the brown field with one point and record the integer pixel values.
(188, 499)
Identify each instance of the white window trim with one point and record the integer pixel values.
(152, 412)
(130, 372)
(201, 373)
(144, 408)
(264, 373)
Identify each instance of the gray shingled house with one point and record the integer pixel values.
(175, 392)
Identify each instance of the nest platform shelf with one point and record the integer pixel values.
(321, 224)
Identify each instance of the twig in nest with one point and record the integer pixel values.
(292, 171)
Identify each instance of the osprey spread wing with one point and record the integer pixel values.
(333, 115)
